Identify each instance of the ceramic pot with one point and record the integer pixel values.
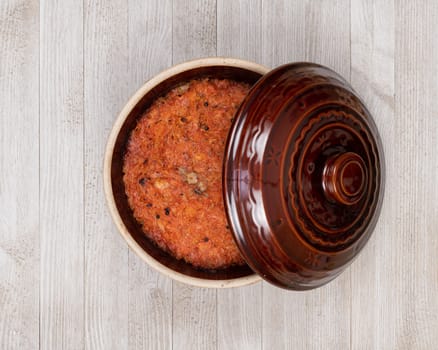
(303, 174)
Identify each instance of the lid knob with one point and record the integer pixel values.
(344, 178)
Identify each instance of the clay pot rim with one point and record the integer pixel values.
(109, 195)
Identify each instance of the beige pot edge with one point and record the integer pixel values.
(194, 281)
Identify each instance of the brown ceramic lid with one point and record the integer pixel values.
(303, 176)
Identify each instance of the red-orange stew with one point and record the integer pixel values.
(173, 168)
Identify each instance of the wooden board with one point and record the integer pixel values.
(19, 176)
(106, 254)
(67, 278)
(61, 176)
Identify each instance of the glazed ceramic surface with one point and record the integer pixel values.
(303, 176)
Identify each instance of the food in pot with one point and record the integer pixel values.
(173, 171)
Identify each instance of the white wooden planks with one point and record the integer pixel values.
(282, 32)
(19, 175)
(150, 293)
(239, 30)
(193, 30)
(67, 280)
(395, 279)
(106, 254)
(414, 247)
(61, 175)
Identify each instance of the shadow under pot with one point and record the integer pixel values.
(302, 181)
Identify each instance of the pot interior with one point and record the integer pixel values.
(121, 201)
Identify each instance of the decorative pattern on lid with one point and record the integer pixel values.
(303, 176)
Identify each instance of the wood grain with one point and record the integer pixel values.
(150, 293)
(194, 29)
(239, 313)
(61, 175)
(194, 317)
(283, 32)
(412, 187)
(194, 309)
(239, 310)
(374, 312)
(106, 254)
(19, 175)
(68, 281)
(239, 29)
(308, 33)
